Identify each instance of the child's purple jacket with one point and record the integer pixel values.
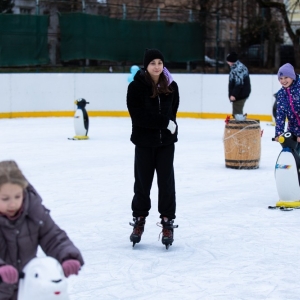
(284, 109)
(19, 239)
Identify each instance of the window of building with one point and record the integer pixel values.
(25, 10)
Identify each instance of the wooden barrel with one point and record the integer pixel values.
(242, 144)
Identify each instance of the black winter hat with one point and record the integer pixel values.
(151, 54)
(232, 57)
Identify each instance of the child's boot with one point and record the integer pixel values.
(138, 229)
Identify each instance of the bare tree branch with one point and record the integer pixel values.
(281, 7)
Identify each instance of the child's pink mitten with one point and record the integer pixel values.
(9, 274)
(71, 266)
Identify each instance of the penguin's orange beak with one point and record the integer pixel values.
(76, 102)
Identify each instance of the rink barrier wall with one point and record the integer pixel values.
(43, 114)
(52, 95)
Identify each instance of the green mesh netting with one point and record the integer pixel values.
(23, 40)
(86, 36)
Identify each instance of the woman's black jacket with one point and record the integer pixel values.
(150, 116)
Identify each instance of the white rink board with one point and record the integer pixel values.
(199, 93)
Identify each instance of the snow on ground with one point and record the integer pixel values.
(229, 245)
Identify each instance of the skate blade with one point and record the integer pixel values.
(134, 240)
(168, 245)
(283, 208)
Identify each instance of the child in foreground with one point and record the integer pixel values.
(26, 224)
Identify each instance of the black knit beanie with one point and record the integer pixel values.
(151, 54)
(232, 57)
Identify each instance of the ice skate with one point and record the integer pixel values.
(167, 231)
(138, 229)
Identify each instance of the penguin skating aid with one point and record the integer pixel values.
(81, 120)
(43, 278)
(287, 173)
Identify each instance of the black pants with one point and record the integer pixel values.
(148, 160)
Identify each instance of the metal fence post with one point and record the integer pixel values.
(37, 7)
(188, 64)
(124, 11)
(262, 38)
(190, 16)
(87, 61)
(217, 44)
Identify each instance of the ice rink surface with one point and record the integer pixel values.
(228, 246)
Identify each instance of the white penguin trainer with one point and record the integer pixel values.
(43, 278)
(81, 120)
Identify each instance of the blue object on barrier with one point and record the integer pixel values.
(133, 71)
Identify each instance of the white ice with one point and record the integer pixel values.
(229, 245)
